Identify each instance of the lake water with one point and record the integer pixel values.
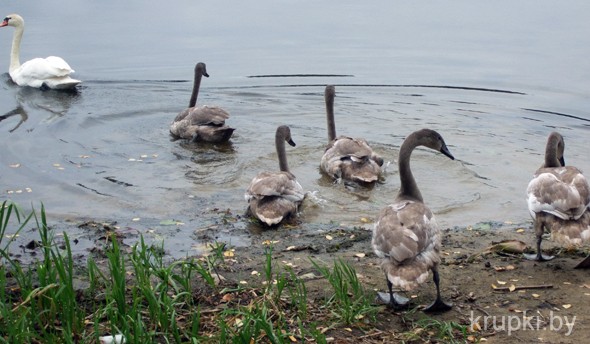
(494, 78)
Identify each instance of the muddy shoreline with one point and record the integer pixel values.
(478, 282)
(501, 292)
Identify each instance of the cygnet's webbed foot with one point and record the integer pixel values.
(438, 306)
(584, 264)
(540, 257)
(398, 302)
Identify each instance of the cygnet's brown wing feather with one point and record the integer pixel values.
(214, 134)
(407, 237)
(275, 184)
(560, 191)
(204, 115)
(351, 159)
(202, 123)
(570, 232)
(273, 196)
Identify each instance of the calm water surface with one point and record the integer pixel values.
(493, 78)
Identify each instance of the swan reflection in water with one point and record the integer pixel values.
(18, 111)
(35, 102)
(57, 103)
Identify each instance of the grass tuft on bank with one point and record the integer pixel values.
(142, 296)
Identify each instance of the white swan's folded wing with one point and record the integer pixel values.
(51, 71)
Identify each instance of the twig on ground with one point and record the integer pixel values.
(520, 287)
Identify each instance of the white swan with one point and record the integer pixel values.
(274, 196)
(51, 72)
(406, 236)
(558, 198)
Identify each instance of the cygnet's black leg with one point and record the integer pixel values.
(539, 228)
(393, 300)
(438, 305)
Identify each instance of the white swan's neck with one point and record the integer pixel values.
(15, 51)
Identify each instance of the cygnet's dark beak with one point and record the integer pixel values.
(446, 152)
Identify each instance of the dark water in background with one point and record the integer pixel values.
(493, 78)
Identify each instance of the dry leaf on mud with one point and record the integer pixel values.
(507, 246)
(308, 276)
(512, 287)
(199, 247)
(170, 222)
(359, 255)
(116, 339)
(218, 279)
(567, 306)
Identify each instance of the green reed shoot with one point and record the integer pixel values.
(6, 211)
(446, 331)
(148, 300)
(350, 303)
